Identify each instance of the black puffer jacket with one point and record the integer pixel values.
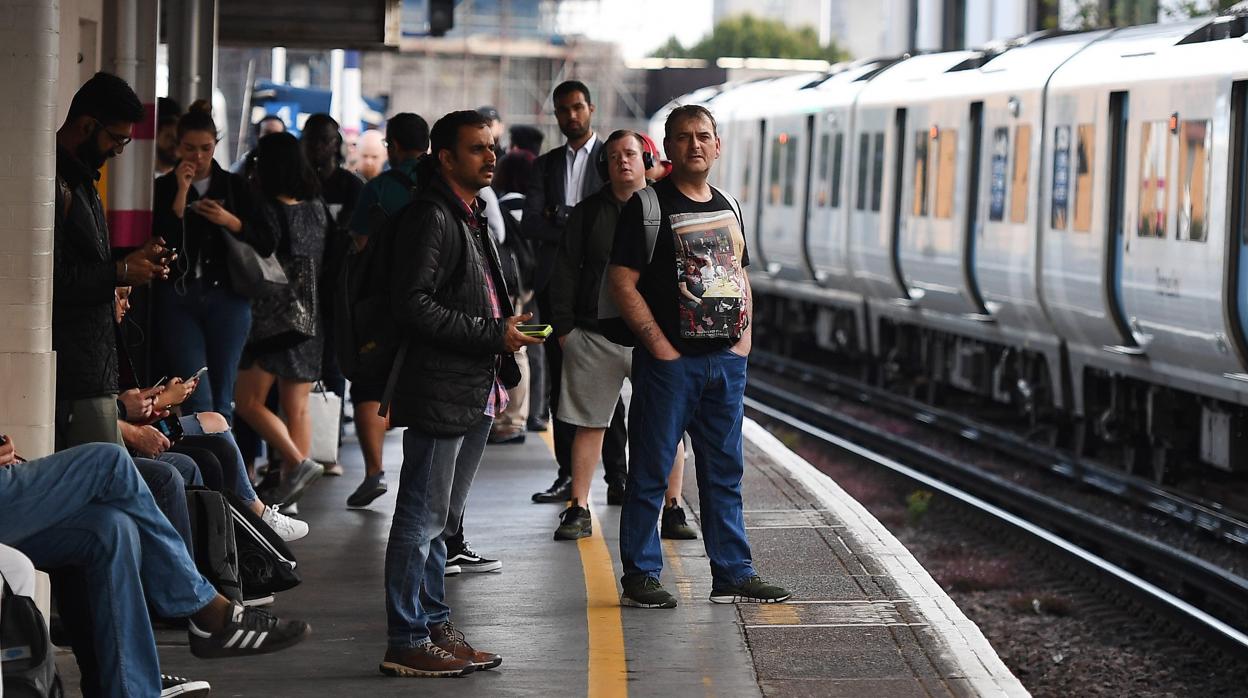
(83, 279)
(440, 300)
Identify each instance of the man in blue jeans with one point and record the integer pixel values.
(686, 297)
(87, 507)
(448, 298)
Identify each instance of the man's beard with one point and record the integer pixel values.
(90, 155)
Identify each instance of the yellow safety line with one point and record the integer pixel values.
(608, 670)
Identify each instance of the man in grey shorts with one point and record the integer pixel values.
(594, 367)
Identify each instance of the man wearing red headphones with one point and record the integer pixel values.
(594, 367)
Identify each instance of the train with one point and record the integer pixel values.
(1054, 224)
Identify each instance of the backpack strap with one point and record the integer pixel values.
(736, 206)
(650, 217)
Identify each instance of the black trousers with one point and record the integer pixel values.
(614, 443)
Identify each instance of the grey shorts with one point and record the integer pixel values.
(594, 369)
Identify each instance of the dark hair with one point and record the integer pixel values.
(168, 112)
(198, 117)
(267, 117)
(624, 133)
(107, 99)
(527, 138)
(319, 120)
(283, 170)
(688, 111)
(445, 133)
(408, 131)
(567, 87)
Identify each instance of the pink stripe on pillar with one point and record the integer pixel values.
(129, 228)
(145, 130)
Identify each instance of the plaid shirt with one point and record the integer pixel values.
(498, 399)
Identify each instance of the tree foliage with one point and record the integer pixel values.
(1095, 14)
(747, 36)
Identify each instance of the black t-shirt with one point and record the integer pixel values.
(695, 282)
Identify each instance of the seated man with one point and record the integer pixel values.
(88, 507)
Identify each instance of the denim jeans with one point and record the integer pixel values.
(87, 507)
(205, 327)
(233, 468)
(433, 488)
(701, 395)
(166, 480)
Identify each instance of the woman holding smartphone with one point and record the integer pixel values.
(202, 321)
(289, 204)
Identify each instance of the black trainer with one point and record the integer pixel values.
(250, 631)
(557, 493)
(641, 591)
(468, 561)
(373, 487)
(179, 687)
(575, 523)
(752, 590)
(673, 524)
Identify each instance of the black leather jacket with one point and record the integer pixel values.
(440, 301)
(83, 279)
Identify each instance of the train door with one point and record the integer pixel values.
(1111, 278)
(825, 238)
(1236, 294)
(872, 225)
(780, 226)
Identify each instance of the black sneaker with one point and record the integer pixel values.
(576, 523)
(673, 524)
(536, 424)
(752, 590)
(641, 591)
(250, 631)
(557, 493)
(372, 488)
(179, 687)
(468, 561)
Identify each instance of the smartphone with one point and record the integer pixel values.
(198, 374)
(159, 383)
(171, 427)
(540, 331)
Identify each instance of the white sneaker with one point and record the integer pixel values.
(286, 528)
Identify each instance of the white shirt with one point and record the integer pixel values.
(493, 215)
(578, 163)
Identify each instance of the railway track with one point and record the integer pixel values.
(1208, 599)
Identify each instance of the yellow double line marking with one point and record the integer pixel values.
(608, 670)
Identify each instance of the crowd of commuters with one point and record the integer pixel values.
(478, 244)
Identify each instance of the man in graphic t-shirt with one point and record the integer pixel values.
(689, 306)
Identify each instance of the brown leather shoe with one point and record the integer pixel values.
(447, 637)
(426, 661)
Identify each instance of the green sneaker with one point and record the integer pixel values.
(575, 522)
(645, 592)
(673, 525)
(752, 590)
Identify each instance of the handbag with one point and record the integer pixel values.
(325, 411)
(251, 275)
(287, 314)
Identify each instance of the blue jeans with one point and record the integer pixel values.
(701, 395)
(433, 488)
(166, 479)
(87, 507)
(235, 470)
(205, 327)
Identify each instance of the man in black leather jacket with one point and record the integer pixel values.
(98, 127)
(449, 299)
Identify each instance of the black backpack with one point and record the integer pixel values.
(26, 659)
(215, 550)
(266, 565)
(365, 338)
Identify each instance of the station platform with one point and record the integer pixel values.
(865, 619)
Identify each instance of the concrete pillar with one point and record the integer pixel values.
(351, 101)
(929, 34)
(29, 62)
(132, 57)
(192, 50)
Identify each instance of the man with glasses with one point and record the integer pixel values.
(99, 126)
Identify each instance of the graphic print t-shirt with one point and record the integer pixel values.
(694, 283)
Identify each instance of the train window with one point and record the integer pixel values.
(838, 157)
(1195, 141)
(1061, 177)
(1021, 173)
(773, 177)
(746, 175)
(877, 171)
(946, 171)
(790, 168)
(864, 150)
(821, 199)
(918, 207)
(1084, 162)
(1000, 154)
(1154, 179)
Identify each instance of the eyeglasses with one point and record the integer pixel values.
(118, 141)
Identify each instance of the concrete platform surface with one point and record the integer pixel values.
(866, 619)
